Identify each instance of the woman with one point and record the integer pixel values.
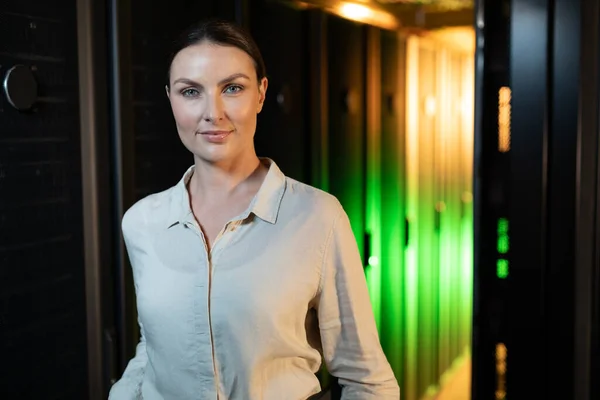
(245, 279)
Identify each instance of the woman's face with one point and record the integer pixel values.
(215, 97)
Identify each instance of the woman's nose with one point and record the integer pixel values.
(214, 109)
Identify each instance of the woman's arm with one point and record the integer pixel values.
(129, 386)
(349, 336)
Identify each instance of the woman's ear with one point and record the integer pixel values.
(262, 93)
(167, 90)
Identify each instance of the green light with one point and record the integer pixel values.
(503, 240)
(412, 161)
(502, 226)
(503, 244)
(502, 269)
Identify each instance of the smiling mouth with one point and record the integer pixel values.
(214, 136)
(214, 133)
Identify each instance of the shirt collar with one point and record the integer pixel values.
(265, 204)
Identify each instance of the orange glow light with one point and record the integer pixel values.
(504, 119)
(364, 14)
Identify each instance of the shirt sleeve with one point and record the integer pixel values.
(129, 386)
(351, 346)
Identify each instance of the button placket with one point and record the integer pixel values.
(203, 323)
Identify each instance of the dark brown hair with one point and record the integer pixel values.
(220, 32)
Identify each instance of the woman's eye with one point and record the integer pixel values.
(233, 89)
(189, 92)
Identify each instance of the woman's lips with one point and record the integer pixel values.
(215, 136)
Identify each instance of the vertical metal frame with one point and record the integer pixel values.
(482, 353)
(123, 156)
(372, 163)
(595, 289)
(90, 200)
(587, 274)
(490, 184)
(528, 180)
(95, 161)
(564, 62)
(393, 191)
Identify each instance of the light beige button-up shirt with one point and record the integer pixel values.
(282, 286)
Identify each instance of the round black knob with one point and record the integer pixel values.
(20, 87)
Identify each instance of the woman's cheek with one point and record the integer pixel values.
(186, 116)
(242, 112)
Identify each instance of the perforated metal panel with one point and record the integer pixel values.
(42, 304)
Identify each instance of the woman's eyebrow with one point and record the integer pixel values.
(228, 79)
(186, 81)
(232, 77)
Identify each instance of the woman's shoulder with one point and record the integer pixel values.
(301, 196)
(149, 209)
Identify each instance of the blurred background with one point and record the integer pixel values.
(458, 135)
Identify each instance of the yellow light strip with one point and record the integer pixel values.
(501, 354)
(504, 96)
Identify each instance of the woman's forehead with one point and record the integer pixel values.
(213, 60)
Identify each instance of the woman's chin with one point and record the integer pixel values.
(213, 156)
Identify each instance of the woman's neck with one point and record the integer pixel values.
(219, 181)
